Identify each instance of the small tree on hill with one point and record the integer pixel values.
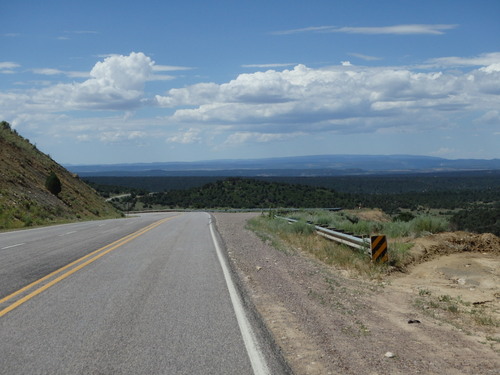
(53, 184)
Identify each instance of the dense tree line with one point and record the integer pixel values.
(361, 184)
(448, 200)
(479, 219)
(249, 193)
(109, 190)
(402, 183)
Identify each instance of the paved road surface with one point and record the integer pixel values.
(144, 295)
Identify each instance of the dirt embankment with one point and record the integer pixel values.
(328, 323)
(461, 265)
(430, 247)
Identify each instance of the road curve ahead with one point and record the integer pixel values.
(151, 296)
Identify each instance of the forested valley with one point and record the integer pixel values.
(471, 201)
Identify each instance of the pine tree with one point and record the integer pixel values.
(53, 184)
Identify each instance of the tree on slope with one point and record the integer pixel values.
(53, 184)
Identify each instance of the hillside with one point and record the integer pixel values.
(24, 199)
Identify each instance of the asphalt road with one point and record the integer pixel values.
(144, 295)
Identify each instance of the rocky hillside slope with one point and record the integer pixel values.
(24, 199)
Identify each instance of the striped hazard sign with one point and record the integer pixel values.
(379, 249)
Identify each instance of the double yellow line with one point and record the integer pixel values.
(73, 267)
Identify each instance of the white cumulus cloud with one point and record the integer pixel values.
(267, 105)
(116, 83)
(343, 98)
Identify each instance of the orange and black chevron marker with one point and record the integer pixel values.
(379, 249)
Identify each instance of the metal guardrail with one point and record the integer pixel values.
(344, 238)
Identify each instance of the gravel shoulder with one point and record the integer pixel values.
(326, 322)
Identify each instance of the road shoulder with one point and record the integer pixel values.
(327, 323)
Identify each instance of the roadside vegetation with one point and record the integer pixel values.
(352, 221)
(300, 236)
(361, 223)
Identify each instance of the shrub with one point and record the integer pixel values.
(5, 125)
(323, 220)
(404, 216)
(302, 228)
(53, 184)
(399, 229)
(429, 224)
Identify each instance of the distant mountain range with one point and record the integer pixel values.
(316, 165)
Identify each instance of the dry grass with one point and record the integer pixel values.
(301, 237)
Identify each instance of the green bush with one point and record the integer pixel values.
(398, 229)
(301, 227)
(323, 220)
(4, 125)
(53, 184)
(404, 216)
(429, 224)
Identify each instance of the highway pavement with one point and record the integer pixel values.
(150, 294)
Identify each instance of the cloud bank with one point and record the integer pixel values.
(345, 99)
(271, 105)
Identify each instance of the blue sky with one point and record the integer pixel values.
(148, 81)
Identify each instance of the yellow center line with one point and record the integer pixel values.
(29, 286)
(100, 252)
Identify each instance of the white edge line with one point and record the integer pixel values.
(65, 234)
(255, 355)
(11, 246)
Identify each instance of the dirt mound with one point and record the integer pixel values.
(430, 247)
(371, 215)
(458, 272)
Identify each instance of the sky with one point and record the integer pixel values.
(104, 82)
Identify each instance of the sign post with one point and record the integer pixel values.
(379, 249)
